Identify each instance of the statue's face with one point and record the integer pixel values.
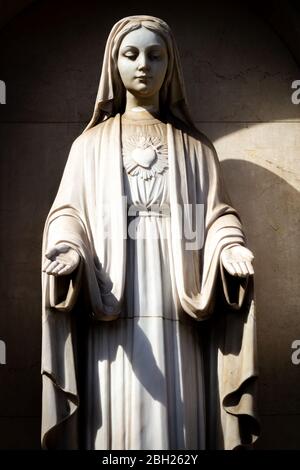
(142, 62)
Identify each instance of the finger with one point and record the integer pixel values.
(63, 247)
(51, 267)
(58, 268)
(228, 266)
(238, 271)
(56, 250)
(244, 268)
(248, 254)
(51, 253)
(250, 268)
(65, 270)
(46, 264)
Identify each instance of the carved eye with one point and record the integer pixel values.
(154, 56)
(130, 55)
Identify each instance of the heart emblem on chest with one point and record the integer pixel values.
(144, 157)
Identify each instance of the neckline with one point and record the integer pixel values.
(140, 117)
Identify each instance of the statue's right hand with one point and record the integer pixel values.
(61, 259)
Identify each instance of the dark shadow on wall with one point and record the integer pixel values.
(236, 67)
(10, 9)
(270, 210)
(282, 15)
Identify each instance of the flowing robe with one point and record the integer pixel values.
(90, 214)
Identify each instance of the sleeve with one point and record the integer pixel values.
(223, 228)
(232, 348)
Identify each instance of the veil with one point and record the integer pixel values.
(111, 92)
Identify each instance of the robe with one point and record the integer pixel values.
(90, 214)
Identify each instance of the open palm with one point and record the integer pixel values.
(237, 260)
(61, 259)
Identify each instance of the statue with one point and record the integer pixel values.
(148, 337)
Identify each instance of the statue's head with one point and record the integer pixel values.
(142, 62)
(140, 56)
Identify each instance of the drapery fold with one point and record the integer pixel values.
(91, 216)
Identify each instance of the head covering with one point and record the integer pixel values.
(111, 92)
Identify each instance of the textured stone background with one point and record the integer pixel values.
(238, 71)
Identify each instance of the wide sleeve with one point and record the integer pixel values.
(70, 221)
(223, 228)
(59, 294)
(198, 199)
(232, 357)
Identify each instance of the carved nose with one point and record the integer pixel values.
(143, 63)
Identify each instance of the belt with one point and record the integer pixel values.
(155, 211)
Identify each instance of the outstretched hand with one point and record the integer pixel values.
(60, 260)
(237, 260)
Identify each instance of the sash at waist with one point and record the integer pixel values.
(154, 210)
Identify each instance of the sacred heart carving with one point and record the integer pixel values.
(144, 157)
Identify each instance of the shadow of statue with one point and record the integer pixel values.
(270, 208)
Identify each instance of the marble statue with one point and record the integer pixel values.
(148, 337)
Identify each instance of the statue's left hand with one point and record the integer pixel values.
(237, 260)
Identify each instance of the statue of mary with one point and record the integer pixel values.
(148, 313)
